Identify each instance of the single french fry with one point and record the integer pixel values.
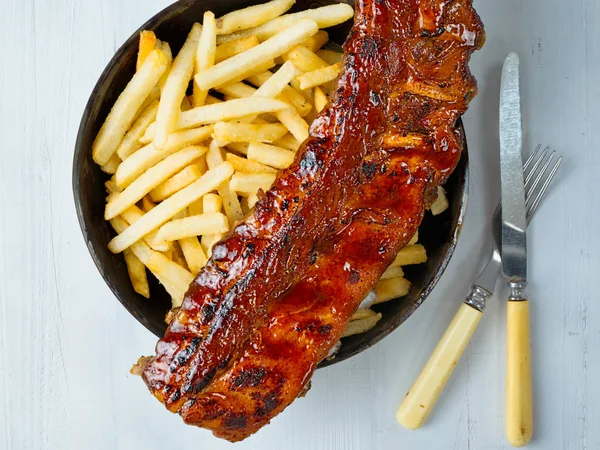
(411, 254)
(171, 206)
(125, 108)
(111, 186)
(132, 215)
(238, 147)
(147, 204)
(205, 54)
(193, 253)
(362, 325)
(330, 57)
(231, 204)
(414, 239)
(294, 123)
(392, 272)
(288, 141)
(270, 155)
(206, 223)
(212, 203)
(314, 43)
(275, 84)
(137, 274)
(168, 269)
(362, 313)
(252, 16)
(441, 203)
(320, 99)
(175, 87)
(227, 132)
(111, 166)
(237, 90)
(146, 157)
(147, 44)
(177, 255)
(309, 80)
(151, 179)
(244, 165)
(176, 183)
(232, 48)
(325, 17)
(391, 288)
(277, 45)
(166, 49)
(250, 183)
(304, 59)
(252, 200)
(214, 156)
(130, 142)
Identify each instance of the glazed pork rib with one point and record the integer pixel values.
(279, 290)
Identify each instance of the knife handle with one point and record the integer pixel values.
(519, 415)
(423, 394)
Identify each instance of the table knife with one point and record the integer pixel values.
(519, 417)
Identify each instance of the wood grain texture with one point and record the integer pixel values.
(66, 344)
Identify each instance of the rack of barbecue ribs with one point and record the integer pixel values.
(281, 287)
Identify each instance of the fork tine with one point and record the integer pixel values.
(538, 198)
(530, 159)
(529, 191)
(534, 169)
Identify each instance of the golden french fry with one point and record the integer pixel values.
(111, 186)
(320, 99)
(288, 141)
(304, 59)
(212, 203)
(231, 204)
(111, 166)
(252, 16)
(206, 223)
(209, 240)
(243, 165)
(314, 43)
(325, 17)
(210, 100)
(146, 157)
(137, 274)
(252, 200)
(151, 179)
(169, 270)
(362, 325)
(411, 254)
(147, 44)
(232, 48)
(125, 108)
(175, 87)
(171, 206)
(250, 183)
(214, 156)
(441, 203)
(176, 183)
(185, 104)
(276, 83)
(132, 215)
(238, 147)
(330, 57)
(277, 45)
(166, 49)
(177, 255)
(391, 288)
(205, 54)
(294, 123)
(270, 155)
(130, 142)
(237, 90)
(362, 314)
(392, 272)
(147, 204)
(227, 132)
(193, 253)
(320, 76)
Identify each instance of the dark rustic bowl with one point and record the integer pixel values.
(438, 234)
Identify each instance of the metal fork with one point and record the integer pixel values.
(423, 394)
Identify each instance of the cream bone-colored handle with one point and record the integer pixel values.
(519, 412)
(423, 394)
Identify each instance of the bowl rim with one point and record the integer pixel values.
(445, 257)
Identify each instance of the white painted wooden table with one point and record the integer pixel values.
(66, 344)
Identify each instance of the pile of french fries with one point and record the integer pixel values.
(194, 137)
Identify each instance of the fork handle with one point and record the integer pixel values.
(519, 415)
(423, 394)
